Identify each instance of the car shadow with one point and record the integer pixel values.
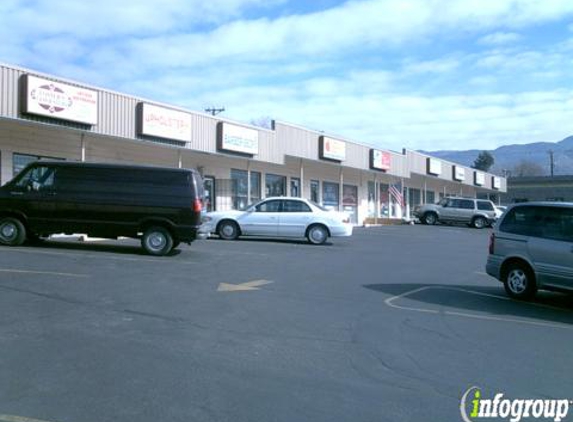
(109, 246)
(255, 239)
(490, 301)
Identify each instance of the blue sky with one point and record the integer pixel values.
(421, 74)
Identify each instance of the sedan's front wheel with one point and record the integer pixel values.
(317, 234)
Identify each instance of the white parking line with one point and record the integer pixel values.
(13, 418)
(12, 270)
(390, 303)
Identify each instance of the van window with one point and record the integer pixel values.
(545, 222)
(37, 178)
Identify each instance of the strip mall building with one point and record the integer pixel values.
(42, 116)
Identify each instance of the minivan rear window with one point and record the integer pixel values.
(537, 221)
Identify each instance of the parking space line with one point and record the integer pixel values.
(390, 303)
(103, 256)
(13, 418)
(12, 270)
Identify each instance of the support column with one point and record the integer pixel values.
(179, 159)
(248, 182)
(340, 189)
(83, 147)
(301, 187)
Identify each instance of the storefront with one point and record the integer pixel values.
(42, 116)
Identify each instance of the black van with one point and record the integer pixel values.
(162, 206)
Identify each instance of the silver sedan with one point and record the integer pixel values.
(279, 217)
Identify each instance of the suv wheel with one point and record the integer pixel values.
(519, 281)
(479, 222)
(12, 232)
(430, 218)
(157, 241)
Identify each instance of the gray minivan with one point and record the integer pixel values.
(161, 206)
(531, 248)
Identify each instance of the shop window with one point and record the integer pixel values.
(314, 191)
(275, 185)
(330, 195)
(430, 197)
(240, 188)
(350, 201)
(384, 200)
(295, 187)
(19, 161)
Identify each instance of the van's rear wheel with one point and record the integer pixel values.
(12, 232)
(157, 241)
(519, 281)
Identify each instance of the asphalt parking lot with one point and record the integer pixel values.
(392, 324)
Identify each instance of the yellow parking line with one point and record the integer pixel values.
(12, 418)
(11, 270)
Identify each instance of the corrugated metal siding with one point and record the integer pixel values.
(203, 133)
(297, 142)
(9, 92)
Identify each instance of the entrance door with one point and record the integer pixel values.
(209, 195)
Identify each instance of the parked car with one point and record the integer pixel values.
(531, 248)
(499, 210)
(162, 206)
(279, 217)
(478, 213)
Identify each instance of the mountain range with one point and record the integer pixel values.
(520, 160)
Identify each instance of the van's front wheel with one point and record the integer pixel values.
(157, 241)
(12, 232)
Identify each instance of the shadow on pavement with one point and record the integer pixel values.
(110, 246)
(479, 300)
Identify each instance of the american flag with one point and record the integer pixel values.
(396, 193)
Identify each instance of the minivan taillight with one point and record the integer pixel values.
(197, 206)
(491, 244)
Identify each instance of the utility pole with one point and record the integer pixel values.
(214, 111)
(551, 162)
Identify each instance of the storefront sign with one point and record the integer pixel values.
(380, 160)
(164, 123)
(434, 167)
(459, 173)
(496, 183)
(58, 100)
(479, 179)
(238, 139)
(331, 149)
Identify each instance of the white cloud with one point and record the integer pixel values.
(500, 38)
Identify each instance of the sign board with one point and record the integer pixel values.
(459, 173)
(479, 178)
(380, 160)
(434, 167)
(238, 139)
(495, 183)
(58, 100)
(164, 123)
(331, 149)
